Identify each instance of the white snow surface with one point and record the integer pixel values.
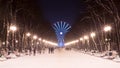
(60, 59)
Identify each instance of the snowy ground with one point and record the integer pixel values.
(61, 59)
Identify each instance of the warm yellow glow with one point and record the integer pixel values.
(13, 28)
(16, 41)
(3, 43)
(28, 34)
(107, 28)
(86, 37)
(34, 37)
(81, 39)
(92, 34)
(43, 40)
(49, 42)
(8, 31)
(72, 42)
(39, 39)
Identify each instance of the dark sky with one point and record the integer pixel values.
(37, 16)
(70, 11)
(61, 10)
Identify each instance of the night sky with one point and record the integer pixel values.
(38, 16)
(61, 10)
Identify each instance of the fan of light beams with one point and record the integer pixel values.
(61, 28)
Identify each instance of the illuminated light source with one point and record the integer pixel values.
(8, 31)
(81, 39)
(72, 42)
(43, 40)
(13, 28)
(86, 37)
(49, 42)
(107, 28)
(16, 41)
(28, 34)
(106, 39)
(3, 43)
(61, 28)
(61, 33)
(39, 39)
(92, 34)
(34, 37)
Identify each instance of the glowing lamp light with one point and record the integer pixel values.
(3, 43)
(72, 42)
(81, 39)
(39, 39)
(107, 28)
(92, 34)
(16, 41)
(49, 42)
(43, 40)
(86, 37)
(13, 28)
(34, 37)
(28, 34)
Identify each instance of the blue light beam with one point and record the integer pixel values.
(61, 28)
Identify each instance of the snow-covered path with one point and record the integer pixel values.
(64, 59)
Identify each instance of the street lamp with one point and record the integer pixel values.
(28, 41)
(86, 37)
(16, 41)
(92, 34)
(81, 42)
(28, 34)
(39, 39)
(35, 41)
(81, 39)
(35, 37)
(108, 29)
(3, 43)
(13, 28)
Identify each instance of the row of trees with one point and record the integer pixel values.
(105, 12)
(98, 14)
(22, 14)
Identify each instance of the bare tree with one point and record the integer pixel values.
(111, 8)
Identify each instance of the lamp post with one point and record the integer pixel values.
(28, 34)
(40, 40)
(28, 41)
(86, 38)
(81, 42)
(13, 28)
(108, 29)
(81, 39)
(34, 40)
(34, 44)
(34, 37)
(92, 36)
